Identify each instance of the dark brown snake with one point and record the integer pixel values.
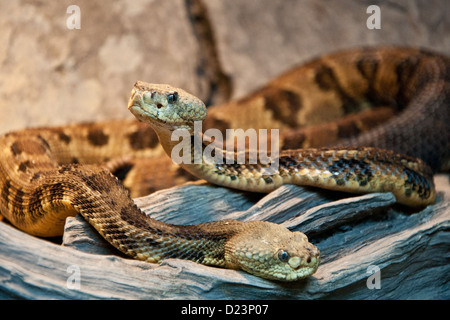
(40, 185)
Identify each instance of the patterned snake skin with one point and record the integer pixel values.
(47, 174)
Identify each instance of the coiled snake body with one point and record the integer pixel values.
(40, 184)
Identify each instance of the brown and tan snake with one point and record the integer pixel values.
(47, 174)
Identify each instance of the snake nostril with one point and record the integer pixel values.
(308, 260)
(159, 105)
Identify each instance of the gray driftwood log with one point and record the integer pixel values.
(357, 236)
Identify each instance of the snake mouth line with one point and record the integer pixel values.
(135, 106)
(294, 275)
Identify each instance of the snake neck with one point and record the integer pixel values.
(194, 155)
(356, 170)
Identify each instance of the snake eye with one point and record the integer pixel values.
(172, 97)
(283, 256)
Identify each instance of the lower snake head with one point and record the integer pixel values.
(162, 105)
(271, 251)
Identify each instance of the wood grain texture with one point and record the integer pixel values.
(411, 249)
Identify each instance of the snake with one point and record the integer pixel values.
(50, 173)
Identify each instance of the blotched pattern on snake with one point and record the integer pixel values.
(402, 100)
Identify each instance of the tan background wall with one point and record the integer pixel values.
(50, 74)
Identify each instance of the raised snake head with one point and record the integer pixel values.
(165, 106)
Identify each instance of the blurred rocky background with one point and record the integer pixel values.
(51, 74)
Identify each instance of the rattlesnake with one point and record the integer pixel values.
(47, 174)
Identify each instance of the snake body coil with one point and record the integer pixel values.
(41, 185)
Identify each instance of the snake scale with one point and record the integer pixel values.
(47, 174)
